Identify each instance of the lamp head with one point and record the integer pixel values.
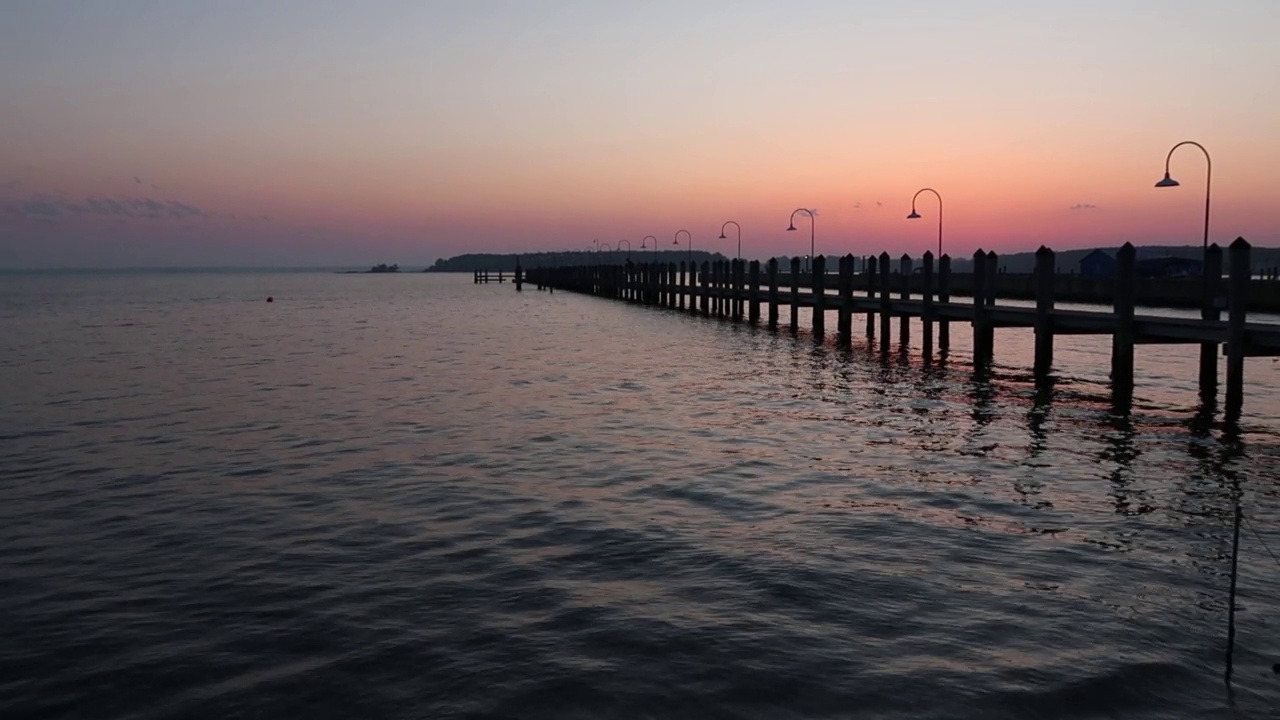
(722, 237)
(1167, 182)
(675, 242)
(914, 215)
(792, 228)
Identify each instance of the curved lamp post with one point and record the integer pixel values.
(724, 237)
(655, 244)
(604, 247)
(677, 242)
(812, 223)
(1208, 176)
(916, 216)
(628, 242)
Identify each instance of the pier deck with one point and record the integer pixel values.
(740, 290)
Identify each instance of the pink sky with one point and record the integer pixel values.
(194, 133)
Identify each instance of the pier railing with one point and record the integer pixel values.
(734, 289)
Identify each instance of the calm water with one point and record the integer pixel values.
(414, 497)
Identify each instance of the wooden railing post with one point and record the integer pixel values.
(706, 288)
(981, 355)
(944, 296)
(739, 272)
(819, 287)
(1237, 312)
(753, 293)
(885, 299)
(870, 272)
(773, 293)
(795, 294)
(682, 285)
(1209, 310)
(844, 322)
(904, 328)
(1122, 340)
(1045, 269)
(926, 302)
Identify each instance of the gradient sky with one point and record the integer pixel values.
(283, 132)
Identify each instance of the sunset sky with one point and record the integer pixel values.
(291, 132)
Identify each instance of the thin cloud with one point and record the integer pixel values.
(1084, 206)
(137, 179)
(39, 208)
(56, 207)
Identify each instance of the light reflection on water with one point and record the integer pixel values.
(410, 496)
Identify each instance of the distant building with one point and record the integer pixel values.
(1098, 263)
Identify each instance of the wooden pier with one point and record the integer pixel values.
(740, 291)
(486, 277)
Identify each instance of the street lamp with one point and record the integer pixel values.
(603, 247)
(628, 242)
(1170, 182)
(677, 242)
(655, 244)
(916, 216)
(812, 222)
(723, 237)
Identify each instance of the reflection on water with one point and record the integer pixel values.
(416, 497)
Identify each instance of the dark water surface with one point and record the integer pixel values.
(414, 497)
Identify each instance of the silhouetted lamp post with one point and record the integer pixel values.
(645, 239)
(677, 242)
(812, 223)
(724, 237)
(1208, 176)
(628, 242)
(916, 216)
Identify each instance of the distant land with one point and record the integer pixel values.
(1068, 261)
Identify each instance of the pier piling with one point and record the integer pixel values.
(1045, 268)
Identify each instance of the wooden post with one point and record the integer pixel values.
(737, 290)
(773, 293)
(741, 291)
(693, 288)
(682, 286)
(1045, 269)
(992, 284)
(753, 293)
(720, 288)
(944, 296)
(885, 299)
(869, 268)
(795, 294)
(844, 322)
(519, 277)
(1212, 291)
(904, 329)
(1237, 311)
(926, 303)
(706, 288)
(981, 355)
(819, 287)
(1122, 341)
(673, 287)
